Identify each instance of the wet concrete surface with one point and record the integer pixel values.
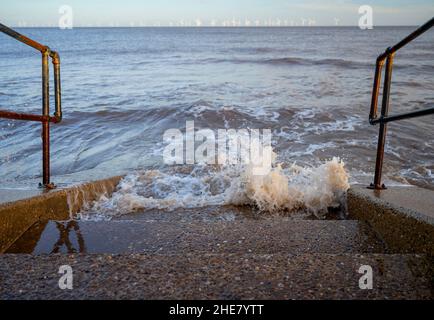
(393, 214)
(16, 217)
(216, 276)
(224, 213)
(218, 252)
(11, 195)
(413, 201)
(271, 235)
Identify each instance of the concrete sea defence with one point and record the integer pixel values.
(200, 254)
(29, 207)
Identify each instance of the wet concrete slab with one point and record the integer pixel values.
(223, 213)
(272, 235)
(11, 195)
(37, 205)
(413, 201)
(216, 276)
(401, 216)
(218, 252)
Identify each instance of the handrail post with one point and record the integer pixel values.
(376, 89)
(383, 126)
(384, 118)
(45, 124)
(57, 86)
(45, 118)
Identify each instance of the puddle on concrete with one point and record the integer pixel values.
(206, 229)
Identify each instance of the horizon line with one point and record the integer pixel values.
(219, 27)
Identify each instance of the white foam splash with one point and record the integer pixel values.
(291, 189)
(315, 189)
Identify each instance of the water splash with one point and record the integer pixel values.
(291, 189)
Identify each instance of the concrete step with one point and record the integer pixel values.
(216, 276)
(223, 213)
(265, 236)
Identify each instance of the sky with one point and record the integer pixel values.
(213, 12)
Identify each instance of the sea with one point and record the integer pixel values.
(123, 88)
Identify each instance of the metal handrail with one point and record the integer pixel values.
(384, 118)
(45, 118)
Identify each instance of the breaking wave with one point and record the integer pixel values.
(289, 189)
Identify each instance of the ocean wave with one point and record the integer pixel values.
(342, 63)
(303, 61)
(292, 189)
(206, 113)
(291, 61)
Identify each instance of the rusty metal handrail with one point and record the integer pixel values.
(384, 118)
(45, 118)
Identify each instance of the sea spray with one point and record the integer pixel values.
(314, 189)
(288, 189)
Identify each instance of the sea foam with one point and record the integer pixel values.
(289, 189)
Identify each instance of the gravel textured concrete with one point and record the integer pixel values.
(272, 235)
(216, 276)
(412, 201)
(402, 217)
(215, 253)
